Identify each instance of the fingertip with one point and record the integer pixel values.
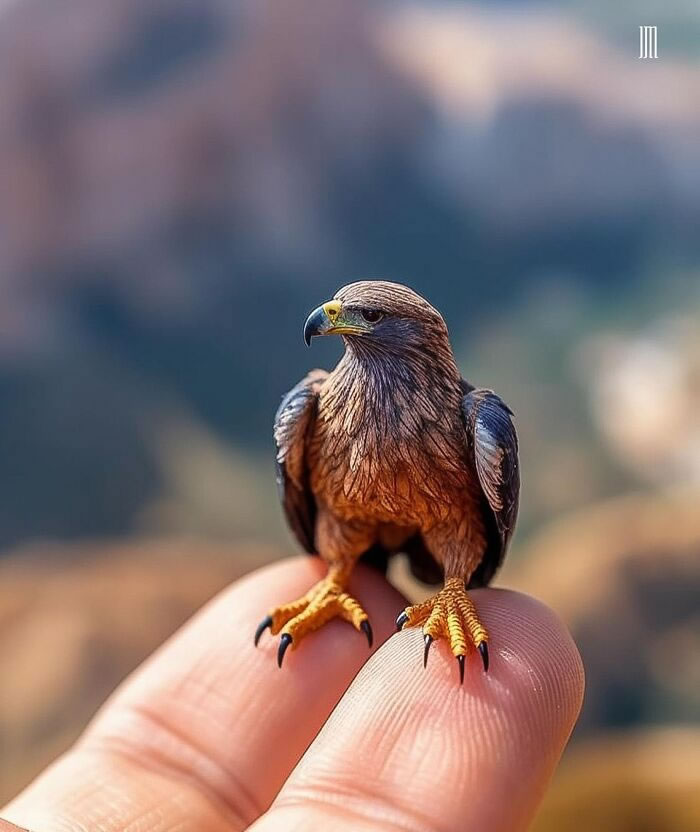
(531, 657)
(532, 693)
(244, 708)
(531, 652)
(486, 748)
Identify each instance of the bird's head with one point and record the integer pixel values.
(376, 314)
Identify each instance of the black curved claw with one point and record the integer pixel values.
(285, 641)
(366, 628)
(428, 641)
(262, 626)
(484, 650)
(401, 620)
(460, 661)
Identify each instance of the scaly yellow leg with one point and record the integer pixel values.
(450, 614)
(325, 600)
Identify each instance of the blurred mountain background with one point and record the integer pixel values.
(182, 181)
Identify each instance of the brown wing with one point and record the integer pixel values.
(493, 450)
(294, 422)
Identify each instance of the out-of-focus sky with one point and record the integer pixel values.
(182, 181)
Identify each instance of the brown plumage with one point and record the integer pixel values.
(393, 451)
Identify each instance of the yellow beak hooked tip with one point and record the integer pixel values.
(318, 323)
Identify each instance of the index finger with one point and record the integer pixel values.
(209, 709)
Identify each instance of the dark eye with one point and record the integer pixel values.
(371, 315)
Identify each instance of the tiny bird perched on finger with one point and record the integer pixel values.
(391, 452)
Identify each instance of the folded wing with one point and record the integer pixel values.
(294, 423)
(493, 451)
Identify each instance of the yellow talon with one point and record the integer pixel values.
(450, 614)
(324, 601)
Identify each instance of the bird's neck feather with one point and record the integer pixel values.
(397, 390)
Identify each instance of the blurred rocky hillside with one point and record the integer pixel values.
(648, 781)
(625, 577)
(645, 395)
(75, 621)
(183, 180)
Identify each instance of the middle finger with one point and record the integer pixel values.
(212, 706)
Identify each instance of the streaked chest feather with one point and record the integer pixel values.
(388, 455)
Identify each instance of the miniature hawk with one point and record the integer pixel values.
(393, 451)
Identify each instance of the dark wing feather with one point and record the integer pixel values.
(493, 449)
(294, 423)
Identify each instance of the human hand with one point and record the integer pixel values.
(210, 735)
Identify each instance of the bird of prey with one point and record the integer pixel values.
(392, 452)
